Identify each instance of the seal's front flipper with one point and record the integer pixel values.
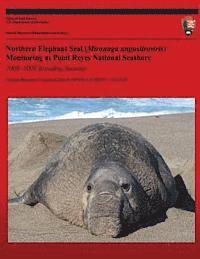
(16, 200)
(184, 200)
(26, 198)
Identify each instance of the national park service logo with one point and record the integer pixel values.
(188, 24)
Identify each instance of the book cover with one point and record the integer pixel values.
(99, 110)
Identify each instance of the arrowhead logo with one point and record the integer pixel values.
(188, 24)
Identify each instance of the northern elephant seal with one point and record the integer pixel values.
(109, 179)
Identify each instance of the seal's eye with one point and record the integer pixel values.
(126, 187)
(89, 187)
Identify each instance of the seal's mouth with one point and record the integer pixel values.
(103, 215)
(105, 226)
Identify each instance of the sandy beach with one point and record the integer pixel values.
(172, 135)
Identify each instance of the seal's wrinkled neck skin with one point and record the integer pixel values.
(111, 200)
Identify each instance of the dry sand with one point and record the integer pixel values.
(172, 135)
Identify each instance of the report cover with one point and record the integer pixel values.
(99, 129)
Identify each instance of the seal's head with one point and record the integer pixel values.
(111, 200)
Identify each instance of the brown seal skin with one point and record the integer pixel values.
(106, 178)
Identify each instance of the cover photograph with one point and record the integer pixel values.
(99, 115)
